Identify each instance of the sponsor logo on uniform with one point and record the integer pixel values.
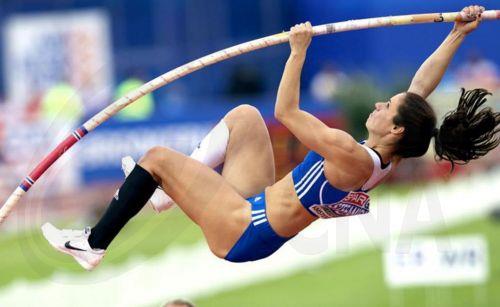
(354, 203)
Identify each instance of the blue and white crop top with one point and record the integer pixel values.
(325, 201)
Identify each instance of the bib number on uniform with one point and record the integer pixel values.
(353, 203)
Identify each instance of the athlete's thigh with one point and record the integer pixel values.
(202, 194)
(249, 161)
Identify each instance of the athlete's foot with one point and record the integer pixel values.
(160, 201)
(74, 243)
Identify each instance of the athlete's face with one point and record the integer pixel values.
(380, 121)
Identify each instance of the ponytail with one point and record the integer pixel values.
(467, 132)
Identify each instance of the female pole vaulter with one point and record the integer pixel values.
(244, 214)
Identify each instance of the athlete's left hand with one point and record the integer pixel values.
(300, 37)
(474, 12)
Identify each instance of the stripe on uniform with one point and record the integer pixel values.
(258, 216)
(313, 176)
(311, 184)
(259, 222)
(308, 172)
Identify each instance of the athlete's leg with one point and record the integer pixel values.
(200, 192)
(205, 196)
(249, 160)
(240, 141)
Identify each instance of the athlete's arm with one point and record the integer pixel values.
(432, 70)
(310, 131)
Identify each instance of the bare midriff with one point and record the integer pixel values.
(285, 213)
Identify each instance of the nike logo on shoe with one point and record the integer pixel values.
(69, 246)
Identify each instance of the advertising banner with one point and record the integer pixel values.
(436, 261)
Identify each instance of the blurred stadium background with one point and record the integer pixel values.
(63, 61)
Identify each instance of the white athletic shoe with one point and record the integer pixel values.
(74, 243)
(160, 201)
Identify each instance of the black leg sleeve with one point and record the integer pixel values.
(129, 200)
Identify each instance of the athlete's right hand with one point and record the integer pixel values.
(474, 12)
(300, 37)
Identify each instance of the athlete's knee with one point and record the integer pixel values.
(154, 157)
(155, 154)
(244, 113)
(248, 111)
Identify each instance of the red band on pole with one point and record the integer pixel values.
(52, 157)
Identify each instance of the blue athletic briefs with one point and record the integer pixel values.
(259, 240)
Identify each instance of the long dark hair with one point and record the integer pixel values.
(419, 121)
(469, 131)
